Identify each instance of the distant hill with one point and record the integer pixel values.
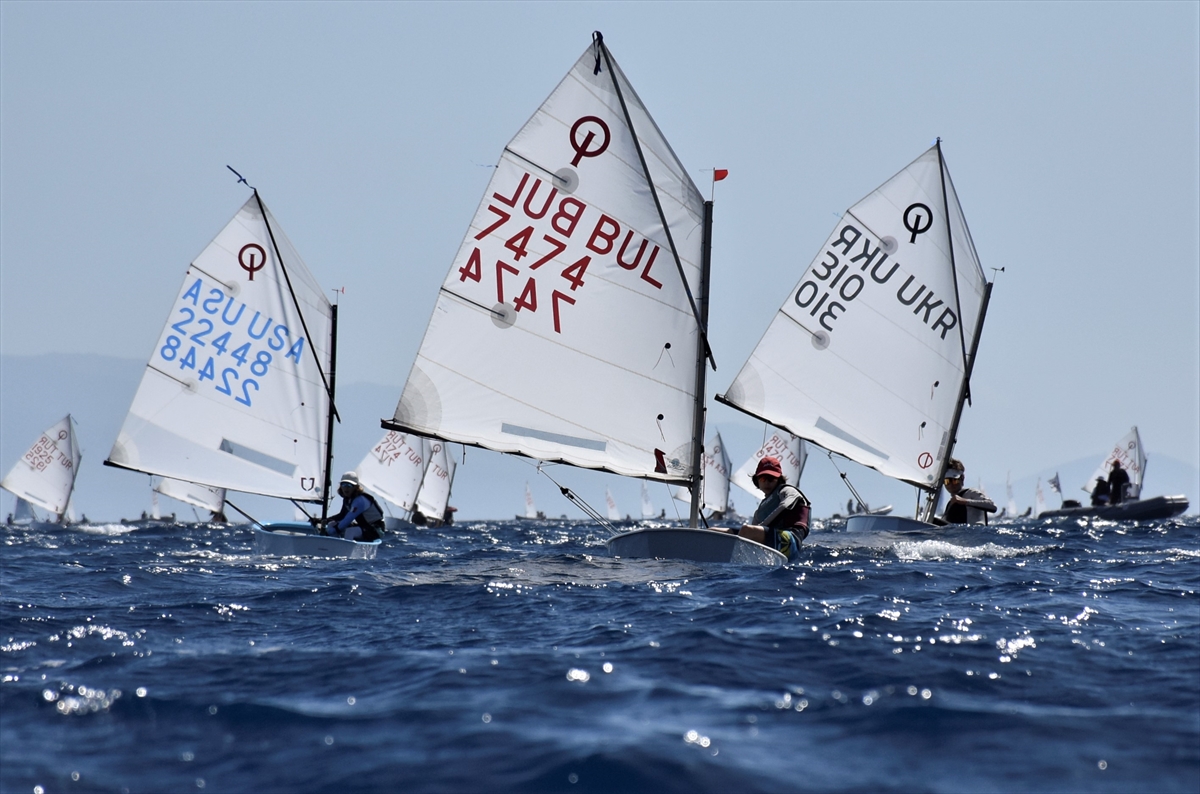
(36, 391)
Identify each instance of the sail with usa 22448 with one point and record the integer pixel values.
(234, 394)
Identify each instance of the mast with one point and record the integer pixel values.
(62, 517)
(697, 484)
(936, 493)
(330, 413)
(964, 392)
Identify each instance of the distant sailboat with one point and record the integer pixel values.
(394, 469)
(714, 480)
(870, 355)
(45, 475)
(1039, 500)
(433, 499)
(1011, 508)
(1132, 457)
(648, 510)
(611, 504)
(203, 496)
(571, 325)
(238, 393)
(531, 511)
(787, 448)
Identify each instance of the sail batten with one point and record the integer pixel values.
(565, 329)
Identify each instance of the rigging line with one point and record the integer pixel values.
(637, 145)
(962, 339)
(579, 502)
(846, 480)
(473, 303)
(240, 510)
(296, 302)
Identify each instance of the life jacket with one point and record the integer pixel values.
(370, 520)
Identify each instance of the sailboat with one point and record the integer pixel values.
(614, 514)
(1132, 457)
(648, 510)
(238, 392)
(531, 512)
(433, 498)
(571, 327)
(870, 355)
(45, 475)
(1010, 509)
(202, 496)
(394, 469)
(788, 449)
(1039, 500)
(714, 480)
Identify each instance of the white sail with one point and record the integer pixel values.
(202, 496)
(394, 468)
(715, 485)
(45, 474)
(1133, 459)
(531, 510)
(563, 330)
(867, 355)
(24, 512)
(787, 448)
(648, 510)
(234, 395)
(435, 487)
(1039, 500)
(613, 513)
(1011, 508)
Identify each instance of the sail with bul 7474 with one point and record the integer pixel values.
(563, 330)
(868, 355)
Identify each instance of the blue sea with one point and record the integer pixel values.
(504, 656)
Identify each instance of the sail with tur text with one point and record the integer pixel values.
(566, 329)
(236, 393)
(715, 483)
(394, 468)
(788, 449)
(869, 354)
(1132, 457)
(45, 474)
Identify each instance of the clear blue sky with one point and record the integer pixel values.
(1070, 129)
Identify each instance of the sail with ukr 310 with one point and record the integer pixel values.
(236, 394)
(45, 474)
(566, 329)
(869, 355)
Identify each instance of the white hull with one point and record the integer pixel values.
(871, 523)
(298, 540)
(698, 545)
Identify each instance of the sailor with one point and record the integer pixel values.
(966, 505)
(1118, 479)
(781, 520)
(1100, 494)
(360, 517)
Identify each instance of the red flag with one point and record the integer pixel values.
(720, 173)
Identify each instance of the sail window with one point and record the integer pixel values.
(257, 458)
(833, 430)
(554, 438)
